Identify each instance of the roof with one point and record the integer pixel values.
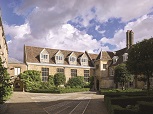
(32, 55)
(119, 53)
(13, 60)
(103, 55)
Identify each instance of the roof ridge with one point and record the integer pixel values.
(58, 49)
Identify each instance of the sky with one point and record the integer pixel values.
(90, 25)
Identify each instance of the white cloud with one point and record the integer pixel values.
(46, 23)
(142, 29)
(17, 32)
(67, 37)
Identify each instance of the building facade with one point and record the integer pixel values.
(71, 63)
(3, 46)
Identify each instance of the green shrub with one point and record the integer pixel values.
(59, 79)
(119, 110)
(145, 107)
(129, 105)
(5, 85)
(124, 101)
(75, 82)
(30, 75)
(31, 79)
(107, 101)
(119, 92)
(71, 90)
(51, 80)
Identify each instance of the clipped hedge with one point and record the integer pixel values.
(119, 92)
(120, 110)
(71, 90)
(124, 101)
(145, 107)
(129, 105)
(59, 90)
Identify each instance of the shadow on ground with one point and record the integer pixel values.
(77, 106)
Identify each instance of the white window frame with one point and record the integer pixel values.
(45, 74)
(84, 61)
(17, 71)
(115, 58)
(86, 75)
(44, 56)
(59, 59)
(125, 57)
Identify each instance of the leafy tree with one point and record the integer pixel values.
(121, 75)
(59, 79)
(76, 82)
(31, 79)
(30, 75)
(140, 59)
(5, 86)
(51, 80)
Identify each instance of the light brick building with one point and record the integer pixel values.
(3, 46)
(72, 63)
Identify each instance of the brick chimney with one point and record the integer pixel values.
(129, 38)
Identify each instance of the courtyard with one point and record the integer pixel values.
(43, 103)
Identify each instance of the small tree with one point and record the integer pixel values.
(76, 82)
(5, 86)
(30, 75)
(140, 59)
(121, 75)
(31, 79)
(59, 79)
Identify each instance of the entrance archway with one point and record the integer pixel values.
(18, 85)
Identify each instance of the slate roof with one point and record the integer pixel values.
(119, 54)
(13, 60)
(103, 55)
(32, 55)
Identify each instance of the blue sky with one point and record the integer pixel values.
(87, 25)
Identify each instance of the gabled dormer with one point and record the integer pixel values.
(84, 60)
(115, 58)
(125, 57)
(44, 56)
(59, 57)
(72, 59)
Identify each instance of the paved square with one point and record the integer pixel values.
(69, 103)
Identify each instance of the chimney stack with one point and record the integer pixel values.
(129, 38)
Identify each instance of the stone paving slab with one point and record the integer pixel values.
(71, 103)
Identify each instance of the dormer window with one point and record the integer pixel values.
(115, 58)
(125, 57)
(59, 58)
(84, 61)
(72, 59)
(44, 56)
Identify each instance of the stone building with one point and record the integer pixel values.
(72, 63)
(3, 46)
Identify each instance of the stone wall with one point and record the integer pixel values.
(67, 70)
(12, 66)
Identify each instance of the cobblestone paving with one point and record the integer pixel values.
(70, 103)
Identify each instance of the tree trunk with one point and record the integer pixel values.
(136, 81)
(123, 86)
(116, 85)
